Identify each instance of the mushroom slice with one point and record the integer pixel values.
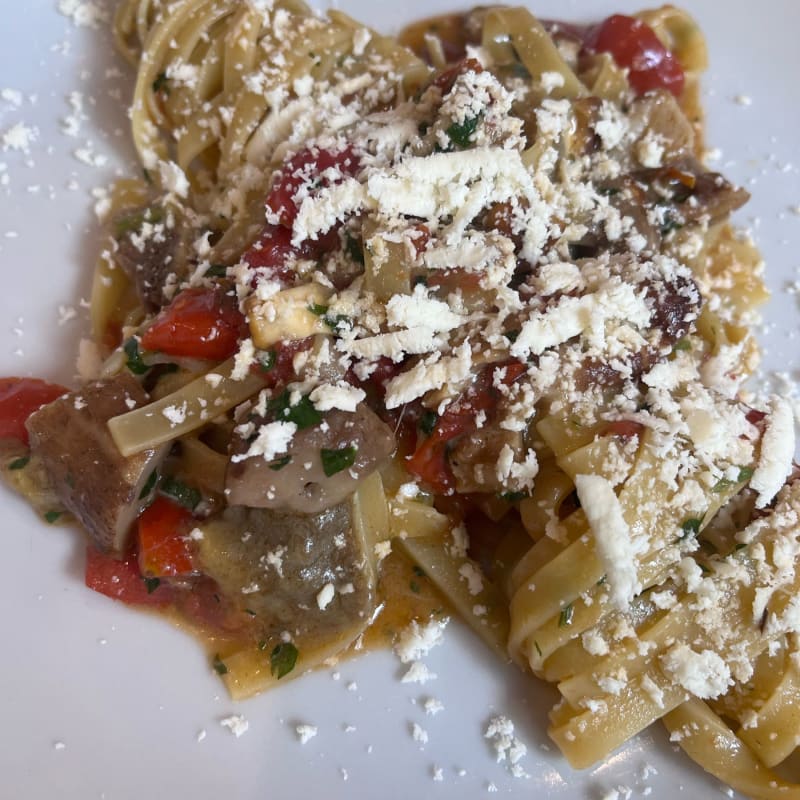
(101, 487)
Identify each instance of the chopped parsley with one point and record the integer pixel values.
(52, 516)
(19, 463)
(149, 484)
(280, 463)
(334, 461)
(682, 344)
(565, 618)
(151, 584)
(460, 133)
(354, 249)
(538, 649)
(691, 527)
(427, 422)
(745, 473)
(216, 271)
(186, 496)
(282, 659)
(303, 413)
(513, 497)
(134, 361)
(219, 666)
(414, 586)
(161, 83)
(266, 360)
(318, 310)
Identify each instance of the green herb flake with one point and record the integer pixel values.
(262, 645)
(250, 612)
(565, 617)
(19, 463)
(318, 310)
(427, 422)
(151, 584)
(148, 179)
(691, 527)
(161, 83)
(538, 649)
(303, 413)
(682, 344)
(52, 516)
(216, 271)
(134, 361)
(512, 335)
(186, 496)
(280, 463)
(282, 659)
(513, 497)
(219, 666)
(354, 249)
(266, 360)
(334, 461)
(414, 586)
(149, 485)
(418, 571)
(460, 133)
(745, 473)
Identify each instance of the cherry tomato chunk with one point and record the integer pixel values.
(634, 45)
(121, 580)
(163, 530)
(313, 168)
(199, 323)
(19, 398)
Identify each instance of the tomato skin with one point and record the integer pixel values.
(198, 323)
(282, 370)
(429, 460)
(121, 580)
(19, 398)
(445, 80)
(306, 167)
(634, 45)
(164, 550)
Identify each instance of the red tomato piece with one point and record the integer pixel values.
(634, 45)
(281, 371)
(19, 398)
(164, 550)
(308, 168)
(198, 323)
(121, 580)
(429, 460)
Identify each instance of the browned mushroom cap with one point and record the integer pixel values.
(151, 246)
(307, 575)
(97, 484)
(298, 481)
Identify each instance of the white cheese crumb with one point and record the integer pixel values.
(236, 724)
(419, 734)
(19, 137)
(272, 440)
(777, 453)
(305, 732)
(325, 595)
(433, 706)
(507, 747)
(415, 641)
(418, 673)
(704, 674)
(613, 540)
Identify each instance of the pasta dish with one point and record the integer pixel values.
(454, 323)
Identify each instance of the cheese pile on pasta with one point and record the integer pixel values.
(473, 305)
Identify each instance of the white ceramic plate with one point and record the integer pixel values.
(98, 701)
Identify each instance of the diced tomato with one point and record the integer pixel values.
(19, 398)
(198, 323)
(308, 167)
(429, 460)
(454, 279)
(274, 249)
(281, 371)
(634, 45)
(164, 550)
(121, 580)
(626, 428)
(445, 80)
